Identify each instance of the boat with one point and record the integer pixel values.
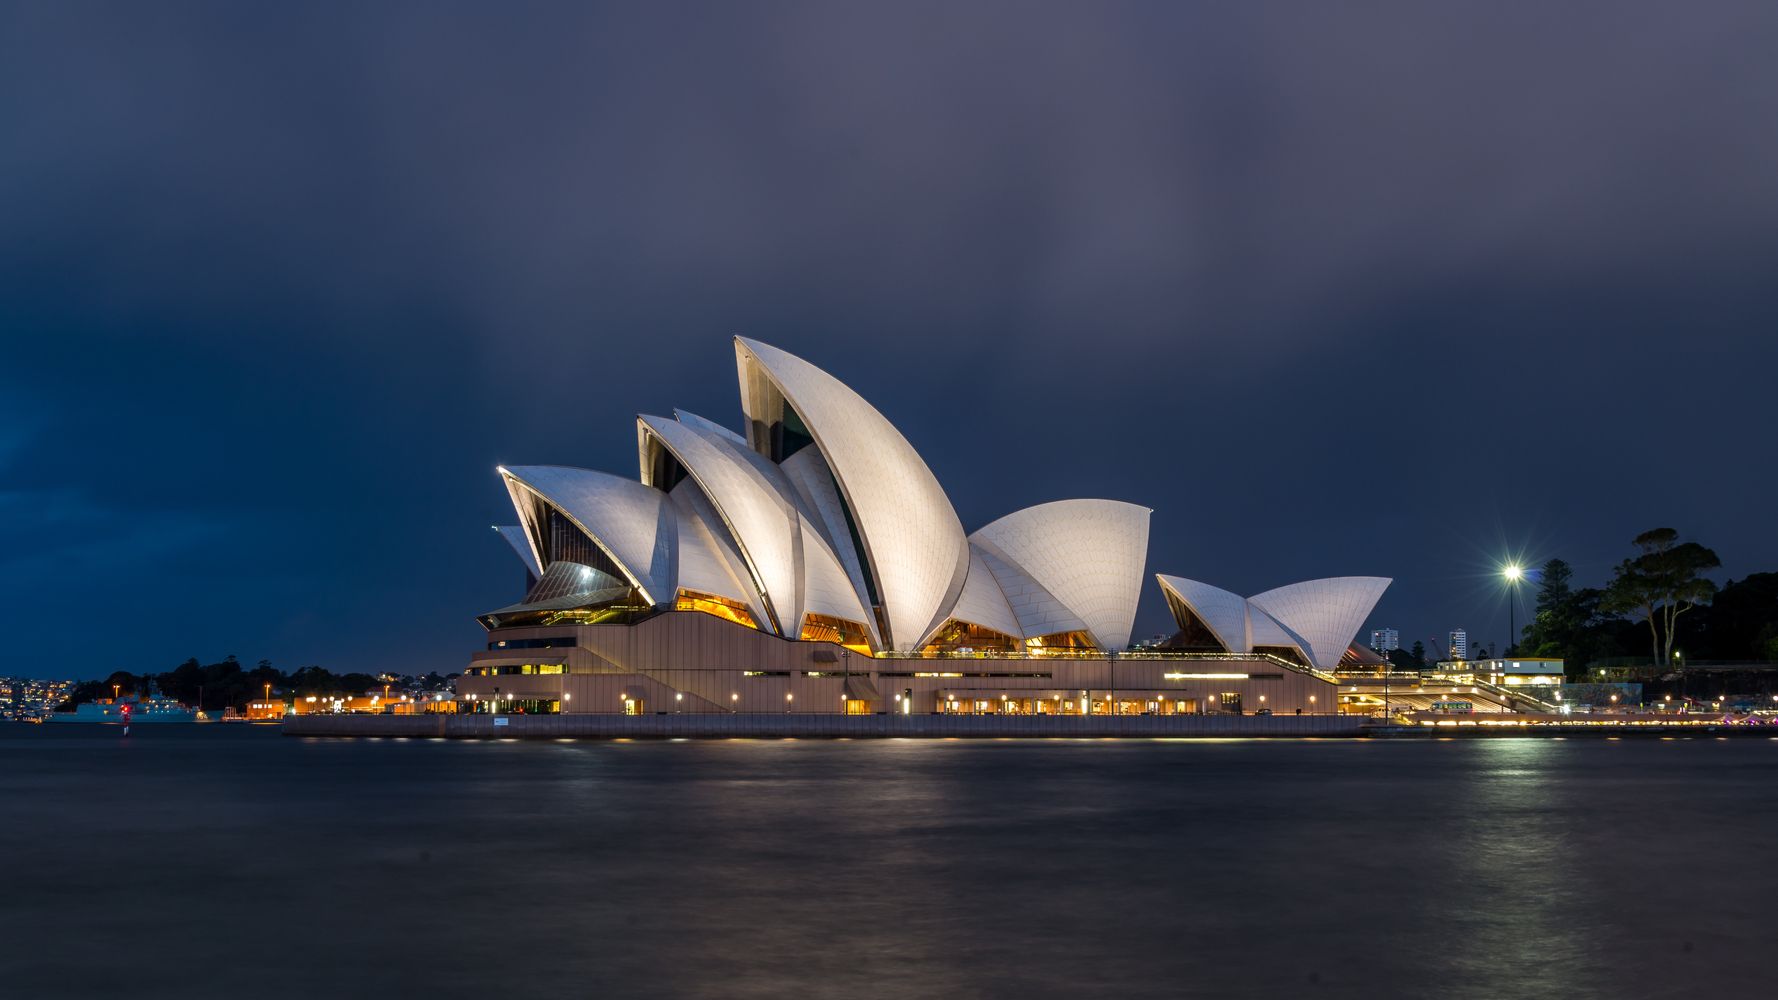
(141, 710)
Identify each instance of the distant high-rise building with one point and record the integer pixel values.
(1459, 644)
(1385, 640)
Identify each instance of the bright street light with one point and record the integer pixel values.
(1513, 573)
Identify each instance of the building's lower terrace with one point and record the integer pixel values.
(688, 662)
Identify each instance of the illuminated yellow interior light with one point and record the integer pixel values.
(711, 604)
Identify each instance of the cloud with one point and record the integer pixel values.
(1247, 176)
(307, 271)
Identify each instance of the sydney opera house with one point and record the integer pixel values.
(811, 562)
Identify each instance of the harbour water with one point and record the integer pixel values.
(230, 861)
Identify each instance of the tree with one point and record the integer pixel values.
(313, 680)
(1739, 623)
(1409, 660)
(1662, 582)
(1553, 591)
(1564, 624)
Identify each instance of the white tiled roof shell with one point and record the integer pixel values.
(982, 602)
(912, 538)
(515, 537)
(1036, 609)
(633, 523)
(1089, 554)
(762, 522)
(696, 422)
(708, 560)
(1324, 614)
(735, 446)
(812, 482)
(825, 586)
(1264, 630)
(1223, 611)
(1238, 621)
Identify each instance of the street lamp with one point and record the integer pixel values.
(1513, 574)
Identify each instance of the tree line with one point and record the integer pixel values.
(227, 684)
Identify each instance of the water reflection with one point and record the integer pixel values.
(1469, 868)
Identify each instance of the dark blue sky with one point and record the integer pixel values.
(1378, 289)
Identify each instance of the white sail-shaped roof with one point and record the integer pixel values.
(706, 424)
(982, 602)
(823, 508)
(826, 588)
(761, 521)
(515, 537)
(757, 503)
(829, 587)
(1036, 609)
(1324, 614)
(1221, 611)
(734, 446)
(1264, 630)
(914, 545)
(1088, 553)
(1317, 618)
(634, 524)
(819, 498)
(708, 561)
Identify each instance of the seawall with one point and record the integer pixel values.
(813, 726)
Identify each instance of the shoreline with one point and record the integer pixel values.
(821, 726)
(834, 726)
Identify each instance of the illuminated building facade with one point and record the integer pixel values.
(811, 562)
(1385, 640)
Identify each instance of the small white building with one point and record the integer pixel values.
(1514, 672)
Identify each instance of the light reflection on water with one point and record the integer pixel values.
(1450, 868)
